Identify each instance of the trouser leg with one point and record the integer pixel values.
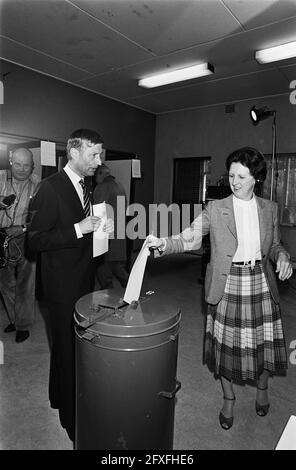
(104, 273)
(62, 371)
(8, 288)
(54, 381)
(25, 294)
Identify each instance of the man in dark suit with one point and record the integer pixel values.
(62, 229)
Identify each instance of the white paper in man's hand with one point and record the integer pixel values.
(100, 238)
(135, 280)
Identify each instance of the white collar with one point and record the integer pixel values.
(243, 203)
(72, 175)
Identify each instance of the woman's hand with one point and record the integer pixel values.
(155, 243)
(284, 267)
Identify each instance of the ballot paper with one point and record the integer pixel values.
(133, 288)
(100, 238)
(288, 437)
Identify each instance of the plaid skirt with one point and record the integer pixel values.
(244, 333)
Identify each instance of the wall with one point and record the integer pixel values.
(39, 106)
(212, 132)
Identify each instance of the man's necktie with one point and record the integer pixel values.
(86, 200)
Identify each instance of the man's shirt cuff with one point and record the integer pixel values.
(79, 234)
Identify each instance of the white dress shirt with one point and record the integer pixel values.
(248, 232)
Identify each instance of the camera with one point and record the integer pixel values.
(8, 200)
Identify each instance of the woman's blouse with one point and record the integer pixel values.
(247, 228)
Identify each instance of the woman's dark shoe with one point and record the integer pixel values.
(22, 335)
(226, 423)
(262, 410)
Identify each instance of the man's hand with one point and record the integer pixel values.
(7, 201)
(283, 267)
(109, 226)
(89, 224)
(4, 206)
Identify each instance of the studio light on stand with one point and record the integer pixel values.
(258, 115)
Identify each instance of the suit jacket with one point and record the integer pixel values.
(218, 220)
(66, 261)
(107, 191)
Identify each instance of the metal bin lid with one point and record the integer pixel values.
(104, 313)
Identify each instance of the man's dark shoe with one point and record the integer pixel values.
(22, 336)
(10, 328)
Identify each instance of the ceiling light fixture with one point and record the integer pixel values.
(179, 75)
(272, 54)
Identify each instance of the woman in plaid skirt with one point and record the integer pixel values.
(244, 335)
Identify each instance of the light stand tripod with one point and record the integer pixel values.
(273, 154)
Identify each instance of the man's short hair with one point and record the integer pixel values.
(77, 137)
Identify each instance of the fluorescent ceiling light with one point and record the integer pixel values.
(285, 51)
(176, 75)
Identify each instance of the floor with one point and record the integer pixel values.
(27, 421)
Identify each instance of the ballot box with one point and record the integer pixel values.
(126, 363)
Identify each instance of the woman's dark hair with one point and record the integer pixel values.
(252, 159)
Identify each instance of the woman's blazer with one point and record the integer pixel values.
(218, 220)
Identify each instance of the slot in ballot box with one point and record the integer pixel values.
(126, 362)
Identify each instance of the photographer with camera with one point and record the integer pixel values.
(17, 269)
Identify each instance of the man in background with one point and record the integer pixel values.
(17, 276)
(108, 189)
(62, 229)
